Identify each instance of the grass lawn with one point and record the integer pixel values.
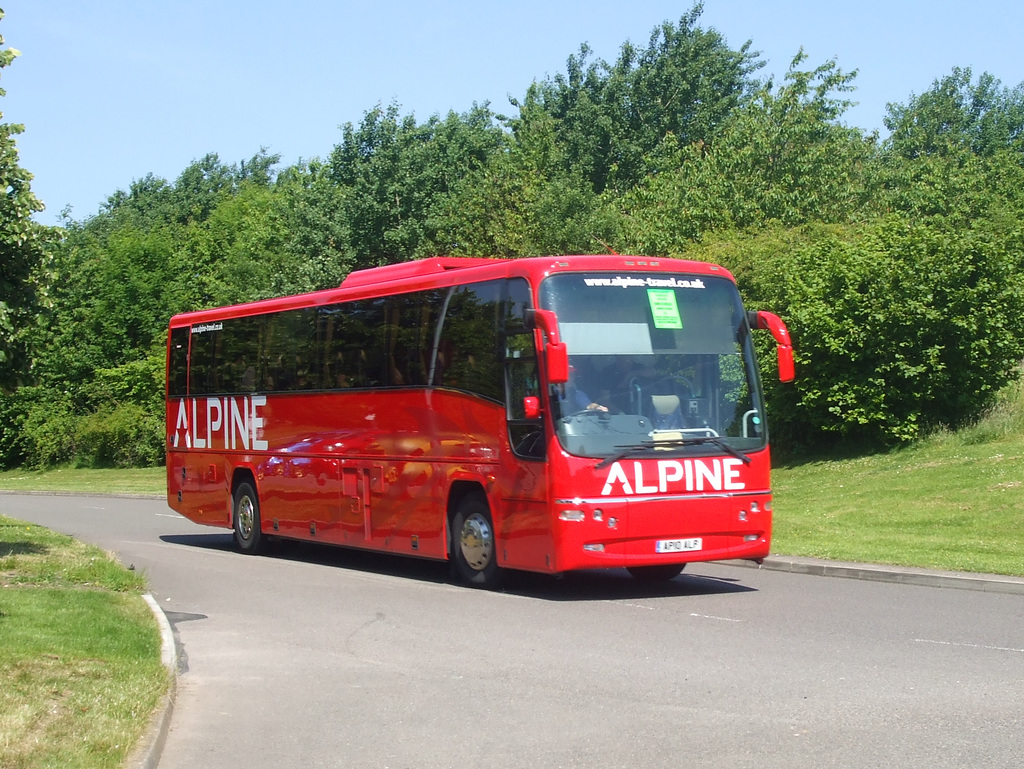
(147, 480)
(952, 501)
(80, 669)
(961, 510)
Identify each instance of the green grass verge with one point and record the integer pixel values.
(146, 480)
(961, 511)
(80, 669)
(954, 501)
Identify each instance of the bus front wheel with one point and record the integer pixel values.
(473, 553)
(248, 536)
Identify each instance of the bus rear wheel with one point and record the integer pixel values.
(660, 573)
(246, 516)
(474, 545)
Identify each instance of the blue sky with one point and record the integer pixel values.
(110, 91)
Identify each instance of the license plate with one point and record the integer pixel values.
(678, 545)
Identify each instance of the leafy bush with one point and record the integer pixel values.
(50, 427)
(897, 327)
(126, 436)
(139, 382)
(12, 422)
(41, 428)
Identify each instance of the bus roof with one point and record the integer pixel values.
(392, 272)
(448, 270)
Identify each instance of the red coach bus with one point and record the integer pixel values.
(543, 414)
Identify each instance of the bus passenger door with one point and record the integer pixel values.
(525, 531)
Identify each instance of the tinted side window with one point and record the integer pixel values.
(290, 351)
(177, 371)
(206, 357)
(409, 337)
(391, 341)
(518, 302)
(520, 354)
(525, 435)
(242, 359)
(350, 334)
(470, 354)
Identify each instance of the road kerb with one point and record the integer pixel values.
(989, 583)
(147, 753)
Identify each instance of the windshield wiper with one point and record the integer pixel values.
(717, 440)
(675, 443)
(625, 451)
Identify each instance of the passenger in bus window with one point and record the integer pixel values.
(335, 373)
(246, 375)
(302, 379)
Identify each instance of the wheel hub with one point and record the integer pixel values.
(477, 542)
(246, 517)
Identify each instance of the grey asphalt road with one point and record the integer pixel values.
(318, 657)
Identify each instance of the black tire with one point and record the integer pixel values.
(474, 544)
(653, 574)
(246, 519)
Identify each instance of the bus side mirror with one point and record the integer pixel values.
(531, 407)
(784, 345)
(556, 355)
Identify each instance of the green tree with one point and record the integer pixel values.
(526, 201)
(147, 202)
(111, 299)
(152, 201)
(317, 236)
(23, 245)
(956, 152)
(611, 118)
(117, 278)
(782, 158)
(982, 116)
(263, 241)
(395, 176)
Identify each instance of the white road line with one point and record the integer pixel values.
(969, 646)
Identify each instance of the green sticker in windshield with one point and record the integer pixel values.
(664, 308)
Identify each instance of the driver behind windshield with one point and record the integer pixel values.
(571, 397)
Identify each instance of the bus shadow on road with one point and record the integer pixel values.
(367, 561)
(200, 541)
(597, 585)
(616, 585)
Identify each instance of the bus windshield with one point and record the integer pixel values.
(658, 363)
